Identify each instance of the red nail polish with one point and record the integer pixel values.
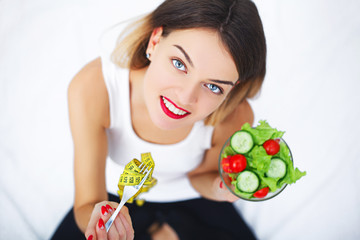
(90, 237)
(101, 223)
(108, 207)
(104, 211)
(221, 184)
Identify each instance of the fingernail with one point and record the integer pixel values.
(101, 223)
(104, 211)
(221, 184)
(108, 207)
(90, 237)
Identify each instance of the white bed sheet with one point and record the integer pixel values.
(311, 91)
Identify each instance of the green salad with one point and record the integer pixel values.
(258, 161)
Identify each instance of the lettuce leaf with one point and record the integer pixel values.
(292, 174)
(262, 132)
(270, 182)
(228, 151)
(259, 160)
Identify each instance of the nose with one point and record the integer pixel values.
(188, 93)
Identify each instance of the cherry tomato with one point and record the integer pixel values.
(225, 164)
(261, 193)
(237, 163)
(271, 146)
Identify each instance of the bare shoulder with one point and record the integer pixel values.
(233, 122)
(87, 93)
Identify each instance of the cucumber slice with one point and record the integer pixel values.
(247, 181)
(241, 141)
(277, 168)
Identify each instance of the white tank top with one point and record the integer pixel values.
(172, 161)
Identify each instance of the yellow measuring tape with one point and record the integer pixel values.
(132, 176)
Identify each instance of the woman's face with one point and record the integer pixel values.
(189, 76)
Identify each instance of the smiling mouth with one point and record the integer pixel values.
(171, 110)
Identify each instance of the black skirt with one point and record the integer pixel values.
(191, 219)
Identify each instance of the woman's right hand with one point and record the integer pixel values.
(121, 228)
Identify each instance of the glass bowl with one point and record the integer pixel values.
(227, 180)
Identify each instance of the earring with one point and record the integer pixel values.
(148, 55)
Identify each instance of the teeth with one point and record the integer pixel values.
(172, 108)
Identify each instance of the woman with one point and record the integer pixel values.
(175, 86)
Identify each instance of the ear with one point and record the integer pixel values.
(154, 39)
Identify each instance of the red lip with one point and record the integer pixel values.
(168, 112)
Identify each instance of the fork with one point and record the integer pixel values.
(128, 192)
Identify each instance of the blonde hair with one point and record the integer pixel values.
(238, 24)
(131, 45)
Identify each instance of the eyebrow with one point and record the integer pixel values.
(185, 54)
(222, 82)
(191, 63)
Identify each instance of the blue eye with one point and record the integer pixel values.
(215, 89)
(179, 65)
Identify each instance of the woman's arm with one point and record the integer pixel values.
(206, 179)
(89, 117)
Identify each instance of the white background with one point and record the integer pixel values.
(310, 91)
